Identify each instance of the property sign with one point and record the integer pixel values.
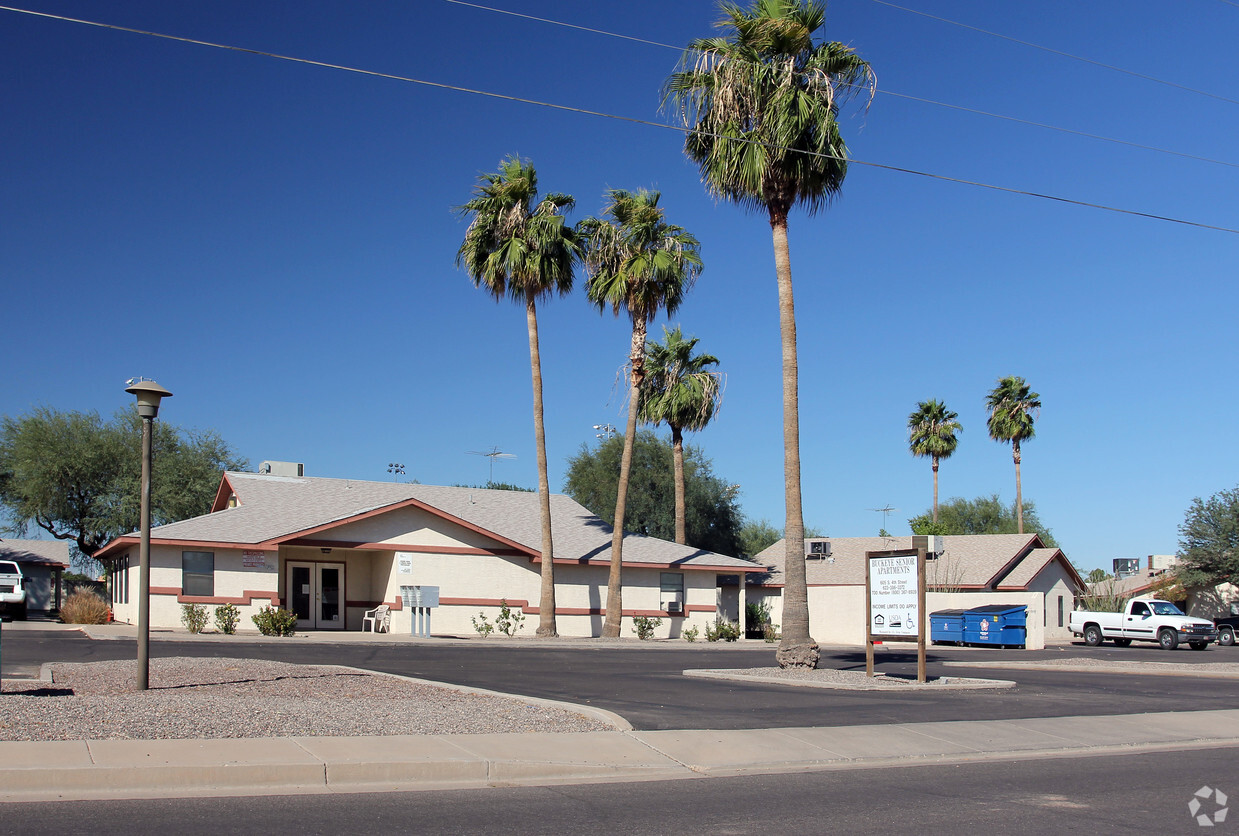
(253, 560)
(404, 563)
(893, 601)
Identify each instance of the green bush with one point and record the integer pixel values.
(275, 621)
(644, 627)
(690, 634)
(484, 627)
(509, 620)
(226, 618)
(727, 631)
(194, 617)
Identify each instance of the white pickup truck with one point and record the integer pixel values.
(12, 590)
(1144, 620)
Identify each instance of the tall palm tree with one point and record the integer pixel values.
(761, 104)
(518, 246)
(640, 264)
(931, 432)
(681, 391)
(1011, 410)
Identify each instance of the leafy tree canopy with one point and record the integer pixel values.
(78, 477)
(713, 516)
(1209, 541)
(983, 515)
(1097, 575)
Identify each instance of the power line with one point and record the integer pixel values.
(1060, 53)
(604, 115)
(922, 100)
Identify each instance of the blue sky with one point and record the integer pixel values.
(274, 242)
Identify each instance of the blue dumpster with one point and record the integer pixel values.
(946, 626)
(999, 625)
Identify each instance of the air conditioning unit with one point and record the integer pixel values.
(675, 608)
(817, 549)
(931, 543)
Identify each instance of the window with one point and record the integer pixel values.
(1139, 608)
(198, 574)
(118, 580)
(1060, 611)
(671, 591)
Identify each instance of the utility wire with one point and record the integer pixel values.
(604, 115)
(1060, 53)
(962, 108)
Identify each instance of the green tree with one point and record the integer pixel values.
(712, 516)
(1097, 575)
(761, 104)
(640, 264)
(1209, 541)
(519, 247)
(77, 477)
(1011, 408)
(983, 515)
(931, 433)
(758, 535)
(680, 391)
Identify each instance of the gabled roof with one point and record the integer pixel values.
(43, 552)
(1033, 564)
(972, 561)
(271, 510)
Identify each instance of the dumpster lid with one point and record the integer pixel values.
(995, 609)
(946, 612)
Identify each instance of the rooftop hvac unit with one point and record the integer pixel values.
(1125, 567)
(817, 549)
(931, 543)
(282, 469)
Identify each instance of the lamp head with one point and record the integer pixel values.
(148, 393)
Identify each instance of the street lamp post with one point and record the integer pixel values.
(148, 393)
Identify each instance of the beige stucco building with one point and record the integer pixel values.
(971, 571)
(331, 549)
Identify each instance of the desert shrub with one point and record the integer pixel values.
(690, 634)
(509, 620)
(275, 621)
(226, 618)
(194, 617)
(484, 627)
(727, 631)
(644, 627)
(84, 607)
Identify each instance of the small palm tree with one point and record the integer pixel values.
(1011, 411)
(518, 246)
(680, 391)
(640, 264)
(761, 105)
(931, 432)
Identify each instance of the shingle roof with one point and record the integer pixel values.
(46, 552)
(1028, 568)
(975, 560)
(272, 509)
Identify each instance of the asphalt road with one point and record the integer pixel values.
(647, 688)
(1144, 793)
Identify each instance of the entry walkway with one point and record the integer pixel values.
(257, 766)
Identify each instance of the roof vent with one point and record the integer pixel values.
(282, 469)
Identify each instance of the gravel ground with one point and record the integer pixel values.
(220, 697)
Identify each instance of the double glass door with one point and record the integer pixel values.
(316, 595)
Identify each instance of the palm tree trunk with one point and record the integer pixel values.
(935, 466)
(1019, 497)
(546, 601)
(615, 600)
(797, 648)
(677, 464)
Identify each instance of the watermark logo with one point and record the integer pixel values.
(1205, 800)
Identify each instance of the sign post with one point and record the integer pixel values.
(895, 602)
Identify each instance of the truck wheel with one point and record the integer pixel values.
(21, 612)
(1092, 635)
(1168, 640)
(1227, 638)
(1198, 645)
(1122, 642)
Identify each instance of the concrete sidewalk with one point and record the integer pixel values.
(259, 766)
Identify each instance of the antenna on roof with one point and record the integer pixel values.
(492, 454)
(884, 511)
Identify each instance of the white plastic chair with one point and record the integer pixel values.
(378, 619)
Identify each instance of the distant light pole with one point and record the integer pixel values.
(396, 469)
(605, 431)
(148, 393)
